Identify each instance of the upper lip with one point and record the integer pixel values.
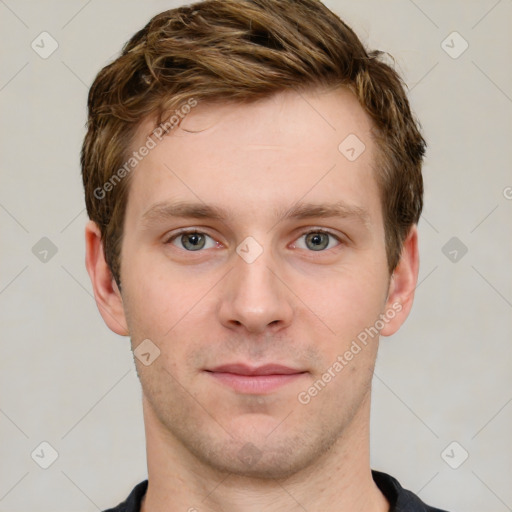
(267, 369)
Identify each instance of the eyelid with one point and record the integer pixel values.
(321, 230)
(175, 234)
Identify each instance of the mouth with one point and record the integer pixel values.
(255, 380)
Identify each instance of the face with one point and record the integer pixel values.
(252, 238)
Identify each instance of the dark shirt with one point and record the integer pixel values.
(400, 499)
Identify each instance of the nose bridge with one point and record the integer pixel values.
(254, 295)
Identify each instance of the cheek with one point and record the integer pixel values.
(160, 295)
(164, 315)
(349, 301)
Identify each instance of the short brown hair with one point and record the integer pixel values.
(244, 50)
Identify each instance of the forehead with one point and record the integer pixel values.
(261, 156)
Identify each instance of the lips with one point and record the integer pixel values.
(268, 369)
(255, 380)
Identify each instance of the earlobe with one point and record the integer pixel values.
(402, 285)
(107, 294)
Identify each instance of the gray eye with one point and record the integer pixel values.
(317, 241)
(193, 241)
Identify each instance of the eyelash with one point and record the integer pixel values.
(195, 231)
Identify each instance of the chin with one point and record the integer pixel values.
(274, 458)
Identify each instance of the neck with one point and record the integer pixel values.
(340, 480)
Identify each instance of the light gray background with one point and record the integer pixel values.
(446, 376)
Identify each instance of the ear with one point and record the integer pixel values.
(107, 294)
(402, 285)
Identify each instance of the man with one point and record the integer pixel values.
(253, 180)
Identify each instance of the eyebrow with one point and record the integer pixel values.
(164, 211)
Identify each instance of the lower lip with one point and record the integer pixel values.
(255, 383)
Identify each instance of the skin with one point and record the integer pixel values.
(293, 305)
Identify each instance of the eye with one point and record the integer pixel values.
(318, 240)
(191, 240)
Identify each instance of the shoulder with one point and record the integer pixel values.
(132, 503)
(401, 499)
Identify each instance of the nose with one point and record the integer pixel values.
(255, 296)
